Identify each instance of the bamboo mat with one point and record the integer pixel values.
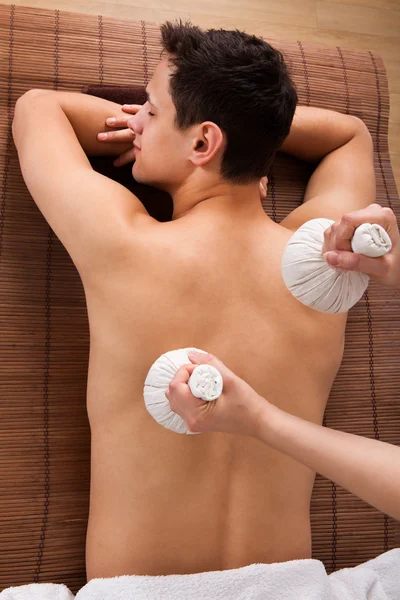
(44, 333)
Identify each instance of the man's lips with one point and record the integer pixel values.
(135, 146)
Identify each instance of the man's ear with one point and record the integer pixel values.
(208, 141)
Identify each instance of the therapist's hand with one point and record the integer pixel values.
(237, 410)
(383, 269)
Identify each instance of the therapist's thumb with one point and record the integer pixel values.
(350, 261)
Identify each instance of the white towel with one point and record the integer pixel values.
(38, 591)
(377, 579)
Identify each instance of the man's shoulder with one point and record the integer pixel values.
(136, 239)
(148, 244)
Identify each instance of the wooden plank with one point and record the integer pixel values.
(357, 19)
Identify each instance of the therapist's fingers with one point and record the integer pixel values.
(350, 261)
(385, 217)
(181, 399)
(182, 375)
(178, 386)
(339, 235)
(379, 215)
(383, 269)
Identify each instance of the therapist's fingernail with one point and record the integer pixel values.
(332, 258)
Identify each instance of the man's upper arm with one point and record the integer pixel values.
(89, 213)
(344, 181)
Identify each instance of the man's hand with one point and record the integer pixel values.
(87, 115)
(337, 245)
(121, 136)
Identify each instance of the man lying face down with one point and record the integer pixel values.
(220, 105)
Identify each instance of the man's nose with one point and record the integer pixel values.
(131, 123)
(134, 124)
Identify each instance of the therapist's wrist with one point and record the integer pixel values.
(269, 422)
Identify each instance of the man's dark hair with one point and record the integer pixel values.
(240, 83)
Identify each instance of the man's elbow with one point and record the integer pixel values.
(17, 123)
(19, 105)
(24, 106)
(29, 97)
(362, 129)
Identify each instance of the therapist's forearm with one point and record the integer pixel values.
(368, 468)
(87, 115)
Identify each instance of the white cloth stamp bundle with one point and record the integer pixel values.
(205, 383)
(315, 283)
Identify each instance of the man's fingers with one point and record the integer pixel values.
(122, 120)
(375, 267)
(121, 136)
(125, 158)
(117, 121)
(131, 108)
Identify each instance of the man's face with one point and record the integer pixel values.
(161, 159)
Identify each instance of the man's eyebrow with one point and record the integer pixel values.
(149, 99)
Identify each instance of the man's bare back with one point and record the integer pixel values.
(163, 503)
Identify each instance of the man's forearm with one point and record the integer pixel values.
(368, 468)
(87, 115)
(315, 132)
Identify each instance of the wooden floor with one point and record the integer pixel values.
(355, 24)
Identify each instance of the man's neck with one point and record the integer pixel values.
(218, 199)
